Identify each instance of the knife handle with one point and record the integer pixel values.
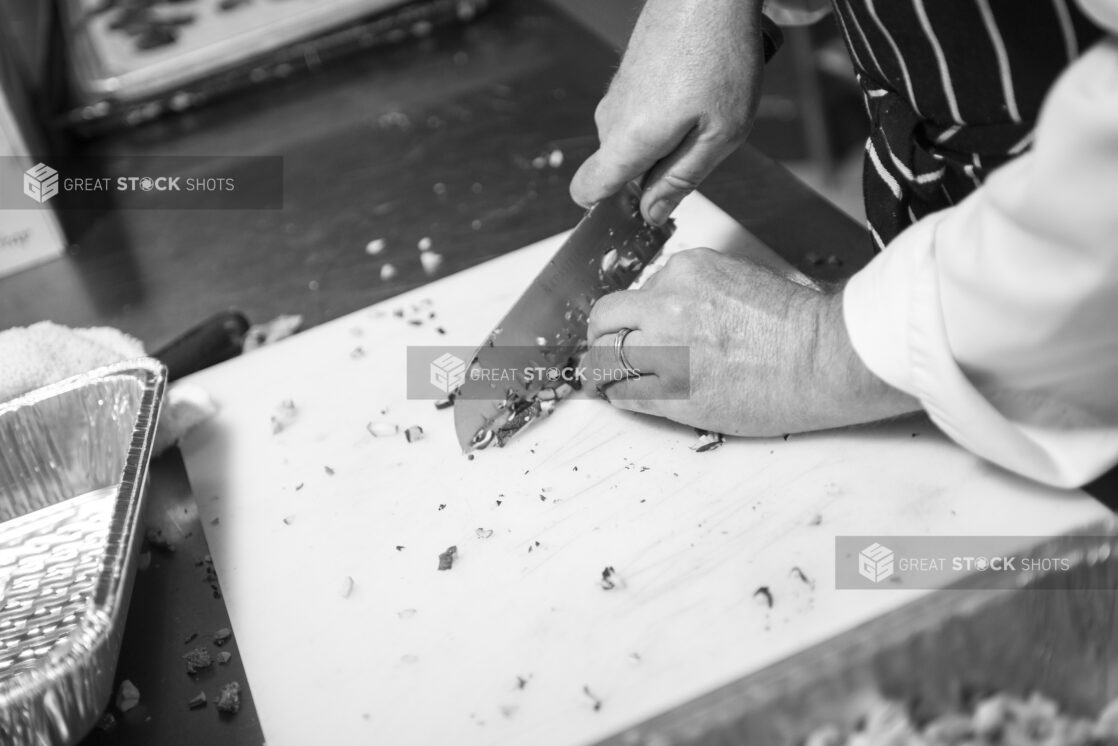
(772, 35)
(213, 341)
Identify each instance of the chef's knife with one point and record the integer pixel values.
(545, 331)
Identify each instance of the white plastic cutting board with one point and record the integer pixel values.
(519, 641)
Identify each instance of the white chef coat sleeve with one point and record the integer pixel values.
(1000, 314)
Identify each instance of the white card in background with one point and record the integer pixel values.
(27, 236)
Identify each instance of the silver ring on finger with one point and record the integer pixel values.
(622, 360)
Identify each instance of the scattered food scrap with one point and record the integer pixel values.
(197, 702)
(222, 636)
(406, 613)
(215, 521)
(707, 441)
(555, 158)
(596, 702)
(288, 520)
(764, 595)
(816, 520)
(521, 682)
(229, 698)
(127, 696)
(400, 547)
(190, 638)
(442, 506)
(799, 575)
(424, 244)
(446, 559)
(382, 429)
(375, 246)
(446, 403)
(224, 657)
(299, 486)
(609, 578)
(347, 587)
(357, 353)
(431, 262)
(270, 332)
(414, 433)
(284, 416)
(387, 271)
(329, 471)
(158, 541)
(107, 722)
(197, 660)
(484, 533)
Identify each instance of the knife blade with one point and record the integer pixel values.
(544, 333)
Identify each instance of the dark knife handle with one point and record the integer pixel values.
(213, 341)
(772, 36)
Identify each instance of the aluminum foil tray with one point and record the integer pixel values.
(73, 467)
(1055, 633)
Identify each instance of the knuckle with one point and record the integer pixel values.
(681, 183)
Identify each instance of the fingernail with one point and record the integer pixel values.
(659, 212)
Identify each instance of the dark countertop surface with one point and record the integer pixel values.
(433, 138)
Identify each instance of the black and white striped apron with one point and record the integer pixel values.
(953, 89)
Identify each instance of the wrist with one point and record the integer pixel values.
(850, 393)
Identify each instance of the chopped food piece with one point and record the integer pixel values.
(347, 587)
(430, 261)
(229, 699)
(424, 244)
(400, 547)
(414, 433)
(609, 578)
(284, 416)
(798, 574)
(764, 595)
(375, 246)
(222, 636)
(539, 162)
(446, 559)
(215, 520)
(555, 158)
(707, 441)
(197, 702)
(382, 429)
(270, 332)
(357, 353)
(190, 638)
(288, 520)
(597, 702)
(815, 520)
(158, 541)
(197, 660)
(446, 403)
(521, 682)
(107, 722)
(127, 696)
(484, 533)
(387, 271)
(224, 657)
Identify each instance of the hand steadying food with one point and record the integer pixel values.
(766, 356)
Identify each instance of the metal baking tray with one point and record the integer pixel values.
(1051, 633)
(73, 471)
(216, 47)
